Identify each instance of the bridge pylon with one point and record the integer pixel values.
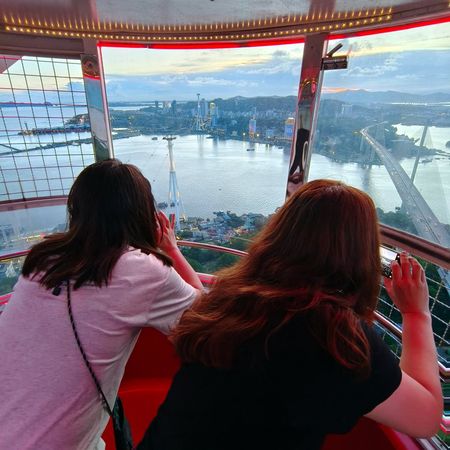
(367, 152)
(175, 202)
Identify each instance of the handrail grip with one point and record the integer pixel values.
(33, 202)
(416, 245)
(391, 236)
(391, 326)
(213, 247)
(14, 254)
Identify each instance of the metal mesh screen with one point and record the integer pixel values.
(439, 289)
(45, 138)
(439, 297)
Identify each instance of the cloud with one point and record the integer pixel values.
(371, 71)
(407, 77)
(75, 86)
(140, 62)
(281, 61)
(165, 80)
(429, 38)
(211, 81)
(377, 66)
(280, 54)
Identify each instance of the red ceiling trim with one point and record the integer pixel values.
(269, 42)
(200, 46)
(120, 44)
(204, 45)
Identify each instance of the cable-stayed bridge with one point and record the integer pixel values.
(427, 224)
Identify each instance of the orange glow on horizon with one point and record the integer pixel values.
(336, 90)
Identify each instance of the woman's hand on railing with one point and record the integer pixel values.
(416, 406)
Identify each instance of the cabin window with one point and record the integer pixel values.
(44, 144)
(384, 127)
(231, 114)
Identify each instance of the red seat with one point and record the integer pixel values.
(369, 435)
(147, 379)
(141, 400)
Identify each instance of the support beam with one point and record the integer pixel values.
(307, 106)
(95, 87)
(50, 47)
(6, 61)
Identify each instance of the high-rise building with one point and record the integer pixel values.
(203, 108)
(6, 234)
(252, 127)
(213, 114)
(289, 125)
(346, 110)
(270, 133)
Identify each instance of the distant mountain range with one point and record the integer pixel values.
(14, 104)
(362, 96)
(263, 103)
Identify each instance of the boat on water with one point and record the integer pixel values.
(250, 149)
(154, 138)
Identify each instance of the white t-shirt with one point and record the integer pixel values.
(48, 400)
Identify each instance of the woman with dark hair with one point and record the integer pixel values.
(282, 351)
(120, 260)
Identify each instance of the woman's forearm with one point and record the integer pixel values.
(184, 269)
(419, 356)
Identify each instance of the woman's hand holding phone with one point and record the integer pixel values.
(408, 287)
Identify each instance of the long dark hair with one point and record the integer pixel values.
(318, 255)
(110, 207)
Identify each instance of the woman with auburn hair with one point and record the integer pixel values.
(282, 351)
(119, 268)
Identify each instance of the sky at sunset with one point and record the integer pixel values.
(416, 61)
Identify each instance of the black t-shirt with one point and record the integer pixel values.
(288, 401)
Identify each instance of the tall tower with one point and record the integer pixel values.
(174, 194)
(213, 114)
(252, 124)
(198, 120)
(252, 128)
(419, 152)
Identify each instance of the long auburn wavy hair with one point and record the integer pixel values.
(318, 255)
(110, 207)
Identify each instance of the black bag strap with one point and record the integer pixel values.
(83, 354)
